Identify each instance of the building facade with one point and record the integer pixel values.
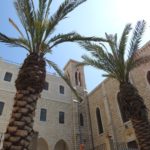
(115, 130)
(62, 123)
(57, 117)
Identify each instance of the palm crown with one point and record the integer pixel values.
(39, 26)
(113, 60)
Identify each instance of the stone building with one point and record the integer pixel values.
(57, 115)
(62, 123)
(115, 130)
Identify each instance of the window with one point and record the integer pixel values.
(148, 77)
(1, 107)
(99, 121)
(78, 78)
(81, 120)
(8, 76)
(46, 85)
(132, 145)
(61, 117)
(123, 114)
(61, 89)
(43, 114)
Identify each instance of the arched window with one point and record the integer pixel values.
(81, 120)
(123, 113)
(1, 107)
(148, 77)
(78, 78)
(80, 83)
(99, 121)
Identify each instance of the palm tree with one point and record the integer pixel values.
(38, 39)
(113, 60)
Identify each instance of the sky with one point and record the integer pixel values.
(92, 18)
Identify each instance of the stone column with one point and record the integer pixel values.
(111, 135)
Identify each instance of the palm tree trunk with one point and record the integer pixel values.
(142, 131)
(136, 110)
(29, 85)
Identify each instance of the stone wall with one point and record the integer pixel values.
(50, 130)
(104, 96)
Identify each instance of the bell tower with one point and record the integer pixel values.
(80, 110)
(76, 75)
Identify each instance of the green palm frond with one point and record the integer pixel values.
(61, 36)
(135, 42)
(136, 37)
(75, 37)
(92, 62)
(111, 42)
(93, 48)
(16, 27)
(104, 65)
(66, 7)
(100, 54)
(20, 42)
(112, 59)
(65, 78)
(123, 41)
(39, 26)
(42, 10)
(48, 9)
(20, 8)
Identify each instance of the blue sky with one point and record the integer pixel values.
(92, 18)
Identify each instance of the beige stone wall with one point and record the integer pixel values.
(96, 101)
(104, 96)
(82, 134)
(51, 130)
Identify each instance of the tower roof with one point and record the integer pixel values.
(70, 61)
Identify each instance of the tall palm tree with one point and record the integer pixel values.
(38, 39)
(113, 60)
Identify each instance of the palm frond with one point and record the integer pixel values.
(20, 8)
(16, 27)
(103, 59)
(33, 8)
(20, 42)
(99, 53)
(65, 78)
(61, 36)
(42, 9)
(48, 9)
(76, 38)
(65, 8)
(25, 9)
(134, 45)
(123, 40)
(94, 49)
(112, 60)
(136, 37)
